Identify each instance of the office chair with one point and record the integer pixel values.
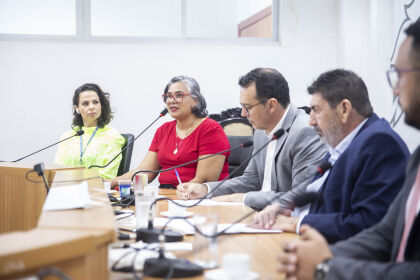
(238, 156)
(233, 123)
(238, 130)
(126, 155)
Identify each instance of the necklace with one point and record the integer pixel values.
(186, 134)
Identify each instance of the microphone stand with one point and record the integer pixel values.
(151, 235)
(128, 200)
(162, 267)
(78, 133)
(163, 113)
(244, 145)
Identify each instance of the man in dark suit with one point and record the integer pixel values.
(390, 249)
(368, 160)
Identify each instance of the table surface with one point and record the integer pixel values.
(262, 248)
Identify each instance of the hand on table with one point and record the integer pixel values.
(191, 190)
(301, 256)
(267, 217)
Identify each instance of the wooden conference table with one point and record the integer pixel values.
(262, 248)
(73, 241)
(76, 241)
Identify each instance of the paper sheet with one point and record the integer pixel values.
(206, 202)
(243, 228)
(185, 228)
(68, 197)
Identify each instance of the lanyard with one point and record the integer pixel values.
(82, 151)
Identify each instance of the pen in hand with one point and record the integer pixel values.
(180, 182)
(179, 179)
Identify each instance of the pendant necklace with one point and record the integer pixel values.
(176, 141)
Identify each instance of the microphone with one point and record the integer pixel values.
(160, 267)
(323, 167)
(163, 113)
(246, 144)
(169, 268)
(151, 235)
(39, 168)
(127, 200)
(309, 197)
(276, 136)
(78, 133)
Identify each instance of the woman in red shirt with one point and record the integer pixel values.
(190, 136)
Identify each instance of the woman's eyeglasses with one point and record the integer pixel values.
(177, 97)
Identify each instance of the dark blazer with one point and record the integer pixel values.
(371, 254)
(362, 184)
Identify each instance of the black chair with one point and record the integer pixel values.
(238, 130)
(126, 155)
(238, 156)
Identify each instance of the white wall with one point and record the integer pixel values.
(38, 79)
(367, 35)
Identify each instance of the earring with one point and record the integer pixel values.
(77, 111)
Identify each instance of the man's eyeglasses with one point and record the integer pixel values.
(177, 97)
(394, 74)
(248, 108)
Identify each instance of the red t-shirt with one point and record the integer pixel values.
(208, 138)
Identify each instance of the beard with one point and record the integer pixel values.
(411, 121)
(412, 116)
(333, 134)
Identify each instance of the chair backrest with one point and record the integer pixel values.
(237, 127)
(126, 155)
(233, 123)
(238, 156)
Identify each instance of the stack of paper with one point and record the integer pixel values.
(68, 197)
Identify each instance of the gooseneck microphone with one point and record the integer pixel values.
(246, 144)
(78, 133)
(130, 199)
(311, 196)
(150, 234)
(163, 113)
(323, 167)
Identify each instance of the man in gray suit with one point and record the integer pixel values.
(286, 166)
(391, 248)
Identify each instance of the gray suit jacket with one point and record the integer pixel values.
(371, 254)
(298, 152)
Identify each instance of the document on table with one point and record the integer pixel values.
(68, 197)
(206, 202)
(185, 228)
(243, 228)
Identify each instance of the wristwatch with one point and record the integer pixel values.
(321, 270)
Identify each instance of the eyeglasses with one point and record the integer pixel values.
(394, 74)
(248, 108)
(177, 97)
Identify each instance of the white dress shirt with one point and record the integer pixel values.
(266, 187)
(269, 157)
